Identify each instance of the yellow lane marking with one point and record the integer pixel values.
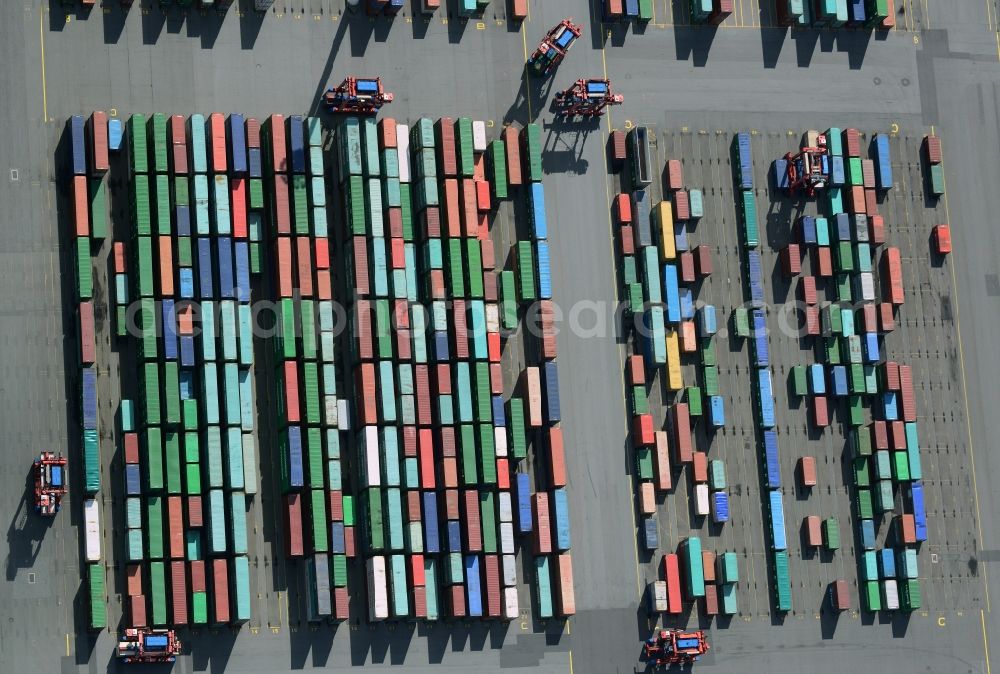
(571, 662)
(986, 647)
(67, 644)
(527, 73)
(45, 95)
(965, 389)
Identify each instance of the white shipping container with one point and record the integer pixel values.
(492, 317)
(92, 529)
(500, 440)
(416, 533)
(506, 507)
(509, 563)
(701, 506)
(343, 414)
(403, 143)
(378, 598)
(658, 597)
(507, 538)
(262, 5)
(249, 464)
(865, 286)
(891, 593)
(369, 449)
(510, 607)
(479, 136)
(330, 410)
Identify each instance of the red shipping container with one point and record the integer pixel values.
(703, 260)
(133, 579)
(876, 230)
(293, 526)
(253, 132)
(281, 207)
(664, 479)
(636, 370)
(689, 338)
(932, 149)
(708, 565)
(81, 206)
(623, 209)
(283, 251)
(813, 530)
(175, 526)
(886, 318)
(452, 208)
(627, 240)
(397, 254)
(495, 350)
(871, 202)
(672, 574)
(542, 534)
(868, 173)
(349, 545)
(906, 386)
(444, 131)
(868, 317)
(413, 508)
(88, 347)
(496, 379)
(723, 10)
(436, 281)
(503, 474)
(425, 415)
(791, 260)
(490, 287)
(430, 222)
(220, 589)
(711, 600)
(119, 253)
(451, 510)
(456, 601)
(449, 472)
(303, 255)
(807, 471)
(131, 442)
(687, 267)
(565, 596)
(531, 386)
(238, 194)
(821, 414)
(897, 430)
(470, 209)
(292, 391)
(185, 319)
(394, 216)
(812, 321)
(368, 405)
(479, 166)
(642, 430)
(194, 510)
(473, 526)
(362, 322)
(881, 434)
(341, 601)
(906, 529)
(891, 375)
(682, 205)
(177, 129)
(179, 157)
(448, 445)
(856, 200)
(888, 23)
(217, 142)
(482, 195)
(335, 504)
(410, 441)
(617, 139)
(892, 276)
(98, 128)
(681, 422)
(557, 457)
(166, 260)
(277, 141)
(822, 262)
(492, 586)
(512, 144)
(675, 177)
(420, 602)
(178, 590)
(460, 331)
(807, 290)
(840, 594)
(387, 133)
(322, 253)
(852, 142)
(197, 575)
(137, 610)
(699, 466)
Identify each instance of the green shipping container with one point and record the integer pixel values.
(154, 527)
(526, 271)
(831, 534)
(694, 567)
(98, 596)
(498, 169)
(144, 269)
(158, 593)
(937, 179)
(862, 474)
(532, 136)
(710, 375)
(508, 300)
(728, 571)
(863, 504)
(692, 394)
(516, 426)
(137, 145)
(172, 451)
(463, 137)
(543, 587)
(872, 596)
(153, 459)
(782, 582)
(199, 608)
(84, 275)
(371, 508)
(98, 208)
(708, 357)
(640, 404)
(751, 231)
(644, 462)
(909, 595)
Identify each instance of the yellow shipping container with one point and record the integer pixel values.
(663, 218)
(675, 380)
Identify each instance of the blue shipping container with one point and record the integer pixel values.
(745, 160)
(206, 287)
(717, 411)
(297, 143)
(242, 271)
(560, 513)
(887, 563)
(499, 418)
(537, 212)
(115, 133)
(294, 457)
(890, 411)
(169, 329)
(708, 323)
(88, 386)
(842, 226)
(807, 230)
(817, 379)
(781, 174)
(671, 293)
(871, 347)
(183, 216)
(472, 586)
(78, 145)
(650, 534)
(237, 144)
(919, 512)
(133, 483)
(868, 534)
(255, 163)
(641, 218)
(187, 351)
(777, 521)
(680, 236)
(720, 507)
(762, 354)
(224, 250)
(553, 413)
(766, 398)
(687, 304)
(544, 270)
(432, 541)
(883, 162)
(837, 176)
(632, 8)
(523, 495)
(771, 460)
(454, 536)
(186, 282)
(856, 12)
